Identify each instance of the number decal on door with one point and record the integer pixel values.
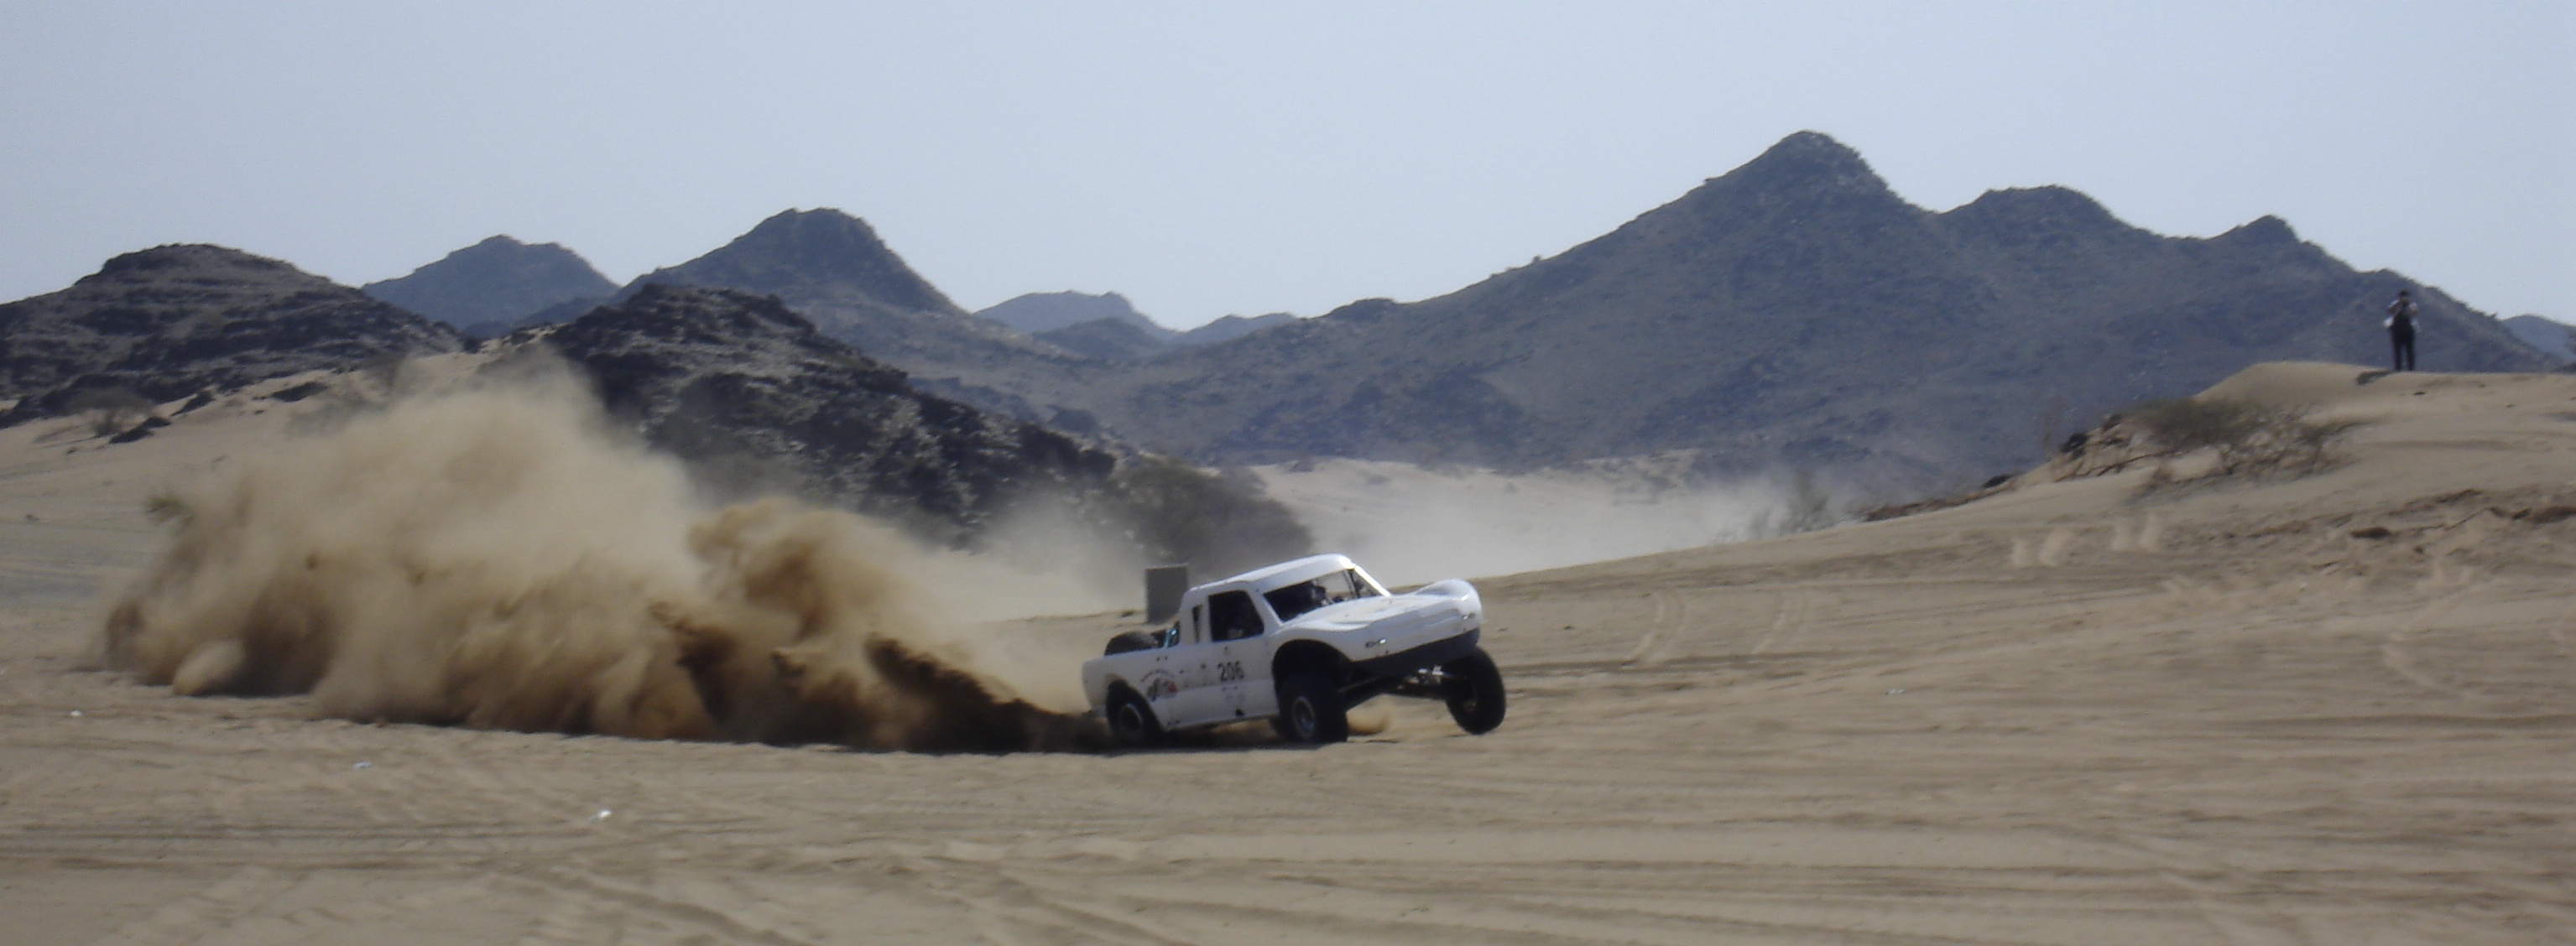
(1229, 671)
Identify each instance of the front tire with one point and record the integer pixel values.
(1132, 723)
(1475, 692)
(1311, 710)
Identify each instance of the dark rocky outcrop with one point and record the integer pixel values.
(174, 321)
(749, 390)
(718, 375)
(498, 285)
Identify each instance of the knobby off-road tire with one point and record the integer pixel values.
(1311, 710)
(1132, 724)
(1475, 692)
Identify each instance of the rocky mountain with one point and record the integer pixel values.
(497, 285)
(832, 268)
(1231, 327)
(751, 391)
(716, 373)
(1109, 340)
(1108, 327)
(173, 321)
(1038, 313)
(1794, 312)
(2549, 336)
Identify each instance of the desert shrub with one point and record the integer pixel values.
(2249, 437)
(109, 411)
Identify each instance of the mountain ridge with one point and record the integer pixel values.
(1793, 312)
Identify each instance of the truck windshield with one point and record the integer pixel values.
(1297, 599)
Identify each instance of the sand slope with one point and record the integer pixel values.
(2065, 714)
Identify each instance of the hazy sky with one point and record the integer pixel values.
(1211, 158)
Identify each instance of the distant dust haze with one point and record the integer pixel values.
(1410, 524)
(490, 557)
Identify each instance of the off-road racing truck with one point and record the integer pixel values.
(1298, 643)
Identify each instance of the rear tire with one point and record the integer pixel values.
(1475, 692)
(1132, 723)
(1311, 710)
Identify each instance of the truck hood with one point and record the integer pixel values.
(1394, 615)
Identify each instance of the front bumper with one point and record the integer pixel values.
(1408, 662)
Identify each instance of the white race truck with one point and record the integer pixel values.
(1298, 643)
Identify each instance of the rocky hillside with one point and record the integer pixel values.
(756, 396)
(1793, 312)
(1230, 327)
(1108, 340)
(715, 373)
(2551, 337)
(174, 321)
(493, 286)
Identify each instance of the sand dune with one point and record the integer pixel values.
(2335, 709)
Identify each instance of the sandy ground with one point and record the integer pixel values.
(2068, 714)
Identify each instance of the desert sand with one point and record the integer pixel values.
(2333, 709)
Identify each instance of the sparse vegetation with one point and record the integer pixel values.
(2248, 437)
(1216, 523)
(109, 411)
(167, 507)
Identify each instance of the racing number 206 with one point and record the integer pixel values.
(1229, 671)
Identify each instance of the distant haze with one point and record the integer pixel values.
(1214, 159)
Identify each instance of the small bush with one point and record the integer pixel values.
(109, 411)
(2248, 437)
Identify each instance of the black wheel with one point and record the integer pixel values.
(1475, 692)
(1132, 723)
(1311, 709)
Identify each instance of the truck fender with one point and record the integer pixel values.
(1295, 657)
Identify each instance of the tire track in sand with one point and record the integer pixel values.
(200, 914)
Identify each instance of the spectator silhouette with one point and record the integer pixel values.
(2401, 330)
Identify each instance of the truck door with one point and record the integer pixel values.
(1241, 662)
(1194, 667)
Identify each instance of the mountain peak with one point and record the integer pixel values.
(192, 256)
(1048, 311)
(2264, 229)
(495, 282)
(1809, 158)
(817, 249)
(2026, 215)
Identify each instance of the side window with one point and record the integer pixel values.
(1231, 616)
(1353, 587)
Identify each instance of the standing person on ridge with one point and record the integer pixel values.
(2401, 330)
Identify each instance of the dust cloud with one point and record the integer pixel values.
(1410, 524)
(491, 557)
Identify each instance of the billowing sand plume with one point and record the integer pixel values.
(490, 558)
